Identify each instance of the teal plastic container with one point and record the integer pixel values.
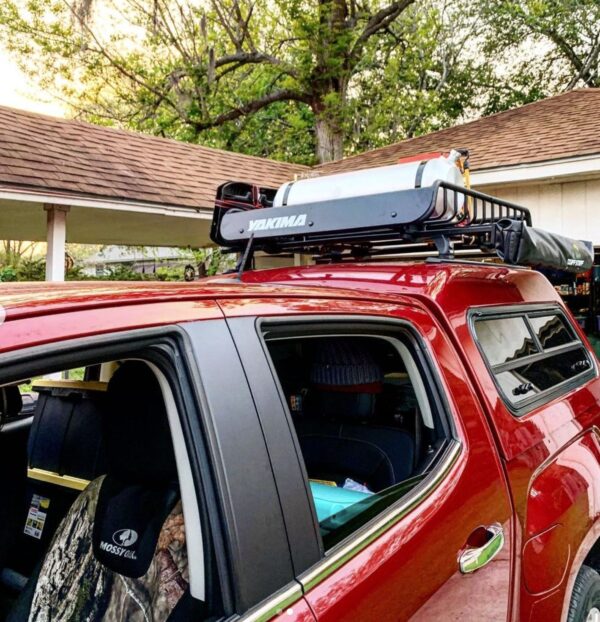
(330, 500)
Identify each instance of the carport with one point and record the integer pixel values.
(68, 181)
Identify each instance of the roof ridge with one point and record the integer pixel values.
(144, 136)
(458, 125)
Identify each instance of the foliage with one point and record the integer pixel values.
(12, 252)
(122, 272)
(23, 270)
(540, 47)
(213, 260)
(8, 273)
(31, 270)
(277, 78)
(168, 274)
(301, 80)
(74, 272)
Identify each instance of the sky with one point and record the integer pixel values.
(17, 91)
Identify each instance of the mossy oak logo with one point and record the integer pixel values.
(280, 222)
(123, 539)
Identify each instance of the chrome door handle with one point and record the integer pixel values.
(473, 559)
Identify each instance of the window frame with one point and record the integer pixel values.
(446, 456)
(525, 312)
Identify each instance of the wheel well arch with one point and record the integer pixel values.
(592, 558)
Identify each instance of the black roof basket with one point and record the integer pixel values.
(388, 223)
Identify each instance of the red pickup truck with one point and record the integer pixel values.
(335, 442)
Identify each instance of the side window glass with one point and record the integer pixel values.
(505, 339)
(528, 361)
(367, 429)
(551, 330)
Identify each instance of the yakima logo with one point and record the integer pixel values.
(280, 222)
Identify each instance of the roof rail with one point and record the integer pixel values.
(383, 224)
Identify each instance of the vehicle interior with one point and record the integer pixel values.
(367, 426)
(91, 516)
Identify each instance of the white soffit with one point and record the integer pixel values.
(555, 169)
(32, 196)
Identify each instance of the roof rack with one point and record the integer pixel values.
(389, 223)
(360, 226)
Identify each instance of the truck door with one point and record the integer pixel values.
(426, 532)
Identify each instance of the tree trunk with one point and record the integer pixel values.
(330, 141)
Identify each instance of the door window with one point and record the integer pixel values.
(101, 500)
(367, 426)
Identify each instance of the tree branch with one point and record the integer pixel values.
(377, 23)
(251, 107)
(247, 58)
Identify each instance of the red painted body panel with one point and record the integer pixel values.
(29, 332)
(549, 459)
(379, 583)
(298, 612)
(532, 446)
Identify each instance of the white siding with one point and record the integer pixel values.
(569, 208)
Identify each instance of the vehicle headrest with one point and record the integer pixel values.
(345, 378)
(11, 402)
(67, 435)
(138, 439)
(128, 523)
(345, 365)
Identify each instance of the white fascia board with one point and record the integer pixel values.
(555, 169)
(29, 196)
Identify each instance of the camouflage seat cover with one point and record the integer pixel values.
(74, 586)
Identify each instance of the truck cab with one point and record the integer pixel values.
(344, 441)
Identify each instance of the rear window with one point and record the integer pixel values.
(532, 355)
(505, 339)
(552, 330)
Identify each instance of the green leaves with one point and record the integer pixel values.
(300, 80)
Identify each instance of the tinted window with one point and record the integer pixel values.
(523, 370)
(505, 339)
(551, 330)
(535, 377)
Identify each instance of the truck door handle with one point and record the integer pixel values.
(483, 545)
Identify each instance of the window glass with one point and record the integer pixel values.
(527, 380)
(366, 429)
(521, 369)
(551, 330)
(505, 339)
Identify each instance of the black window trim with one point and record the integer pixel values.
(448, 454)
(525, 312)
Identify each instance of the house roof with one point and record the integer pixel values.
(46, 153)
(559, 127)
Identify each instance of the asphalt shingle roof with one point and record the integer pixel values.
(48, 153)
(563, 126)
